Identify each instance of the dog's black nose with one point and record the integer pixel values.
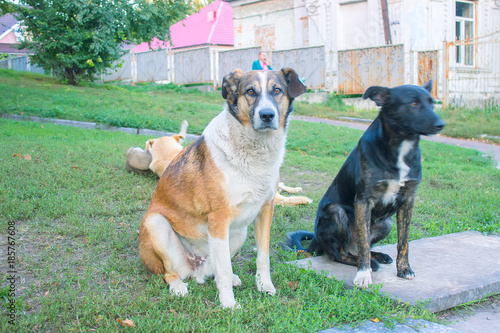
(266, 115)
(439, 125)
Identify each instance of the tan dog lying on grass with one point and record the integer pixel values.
(160, 152)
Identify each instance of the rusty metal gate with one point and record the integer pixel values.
(428, 69)
(309, 63)
(361, 68)
(192, 66)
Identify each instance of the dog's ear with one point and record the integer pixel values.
(428, 86)
(178, 137)
(295, 86)
(230, 85)
(149, 145)
(380, 95)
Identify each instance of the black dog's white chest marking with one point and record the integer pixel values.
(393, 185)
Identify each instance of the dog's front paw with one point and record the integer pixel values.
(201, 279)
(227, 300)
(178, 288)
(236, 281)
(363, 278)
(406, 273)
(382, 257)
(265, 285)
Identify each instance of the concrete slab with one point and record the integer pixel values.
(410, 326)
(450, 270)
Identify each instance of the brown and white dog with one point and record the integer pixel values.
(220, 184)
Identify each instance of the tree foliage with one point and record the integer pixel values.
(7, 7)
(78, 39)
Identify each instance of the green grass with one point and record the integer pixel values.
(77, 211)
(163, 107)
(159, 107)
(460, 122)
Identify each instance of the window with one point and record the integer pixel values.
(464, 31)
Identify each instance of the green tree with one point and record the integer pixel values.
(78, 39)
(6, 7)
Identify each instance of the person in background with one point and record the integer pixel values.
(261, 64)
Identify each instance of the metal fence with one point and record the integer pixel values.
(155, 66)
(193, 66)
(361, 68)
(121, 71)
(229, 60)
(472, 72)
(210, 64)
(309, 63)
(464, 73)
(20, 63)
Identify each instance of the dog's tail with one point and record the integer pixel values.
(293, 240)
(183, 131)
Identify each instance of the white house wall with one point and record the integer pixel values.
(276, 18)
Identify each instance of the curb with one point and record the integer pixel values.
(91, 125)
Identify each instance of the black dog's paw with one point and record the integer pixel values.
(406, 273)
(374, 265)
(382, 257)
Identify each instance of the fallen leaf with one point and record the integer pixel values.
(74, 167)
(126, 322)
(26, 157)
(376, 320)
(15, 155)
(46, 293)
(293, 285)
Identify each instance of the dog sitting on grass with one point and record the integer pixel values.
(219, 185)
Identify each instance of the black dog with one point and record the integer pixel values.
(379, 179)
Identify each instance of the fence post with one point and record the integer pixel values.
(28, 63)
(9, 61)
(133, 67)
(446, 59)
(216, 69)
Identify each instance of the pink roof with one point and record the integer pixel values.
(213, 24)
(8, 21)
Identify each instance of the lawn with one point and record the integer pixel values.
(163, 107)
(73, 213)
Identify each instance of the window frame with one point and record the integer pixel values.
(465, 53)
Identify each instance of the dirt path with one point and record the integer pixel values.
(490, 149)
